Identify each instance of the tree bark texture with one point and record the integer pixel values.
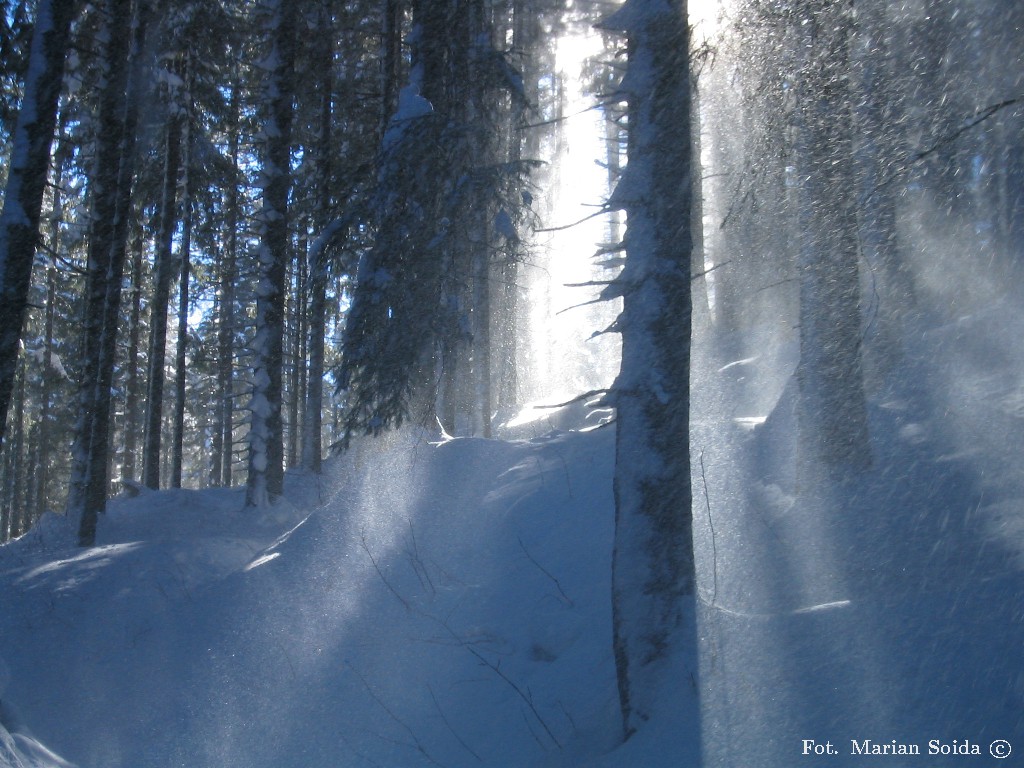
(653, 581)
(266, 442)
(165, 265)
(312, 422)
(833, 412)
(223, 438)
(181, 346)
(26, 180)
(111, 188)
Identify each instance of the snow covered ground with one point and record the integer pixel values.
(446, 602)
(887, 608)
(431, 603)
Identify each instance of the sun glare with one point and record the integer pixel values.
(566, 361)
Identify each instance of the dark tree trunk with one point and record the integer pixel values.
(312, 423)
(26, 180)
(266, 460)
(112, 182)
(833, 412)
(391, 58)
(223, 435)
(164, 267)
(879, 121)
(653, 580)
(133, 385)
(44, 435)
(15, 478)
(480, 106)
(181, 348)
(295, 359)
(483, 400)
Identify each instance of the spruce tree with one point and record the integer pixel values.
(653, 578)
(113, 174)
(26, 181)
(266, 441)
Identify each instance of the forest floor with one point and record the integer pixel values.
(428, 602)
(445, 602)
(886, 608)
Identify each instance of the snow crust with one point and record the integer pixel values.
(424, 602)
(884, 605)
(440, 601)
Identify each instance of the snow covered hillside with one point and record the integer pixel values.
(432, 603)
(886, 606)
(446, 602)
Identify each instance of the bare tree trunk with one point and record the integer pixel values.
(295, 309)
(312, 423)
(653, 579)
(483, 401)
(44, 437)
(133, 385)
(26, 180)
(18, 479)
(482, 142)
(115, 170)
(391, 58)
(18, 516)
(223, 436)
(181, 349)
(266, 461)
(833, 412)
(302, 356)
(164, 267)
(879, 120)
